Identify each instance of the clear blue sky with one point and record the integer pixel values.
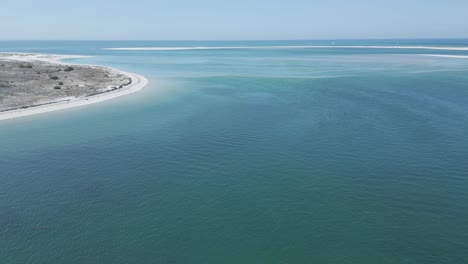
(232, 19)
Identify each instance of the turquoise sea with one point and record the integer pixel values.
(272, 154)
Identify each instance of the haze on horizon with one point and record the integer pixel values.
(231, 20)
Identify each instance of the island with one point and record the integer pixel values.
(38, 83)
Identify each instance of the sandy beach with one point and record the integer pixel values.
(128, 83)
(289, 47)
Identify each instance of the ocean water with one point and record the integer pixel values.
(247, 155)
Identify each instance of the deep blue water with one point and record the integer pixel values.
(311, 155)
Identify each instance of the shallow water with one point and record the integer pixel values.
(246, 156)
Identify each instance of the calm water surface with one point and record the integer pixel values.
(246, 156)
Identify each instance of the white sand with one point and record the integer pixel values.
(138, 83)
(447, 56)
(287, 47)
(26, 57)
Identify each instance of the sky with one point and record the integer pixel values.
(231, 19)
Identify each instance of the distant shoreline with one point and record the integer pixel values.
(137, 82)
(332, 46)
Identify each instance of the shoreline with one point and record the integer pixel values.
(454, 48)
(138, 82)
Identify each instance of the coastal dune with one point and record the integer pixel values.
(32, 84)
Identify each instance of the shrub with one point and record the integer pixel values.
(57, 87)
(69, 69)
(54, 77)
